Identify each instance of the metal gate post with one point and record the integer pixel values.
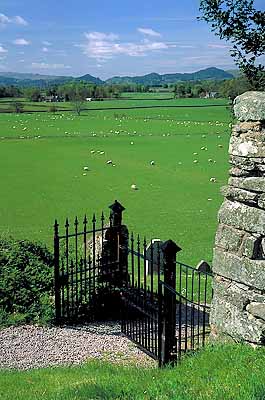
(168, 327)
(57, 273)
(119, 244)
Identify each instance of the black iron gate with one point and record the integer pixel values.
(101, 273)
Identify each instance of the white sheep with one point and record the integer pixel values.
(134, 187)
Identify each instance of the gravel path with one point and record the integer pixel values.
(28, 346)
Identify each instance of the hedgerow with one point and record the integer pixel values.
(26, 282)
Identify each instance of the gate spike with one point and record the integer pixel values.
(85, 220)
(56, 227)
(66, 223)
(94, 218)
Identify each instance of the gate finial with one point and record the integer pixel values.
(116, 213)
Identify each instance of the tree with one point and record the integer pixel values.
(78, 104)
(232, 88)
(33, 94)
(53, 109)
(16, 107)
(240, 23)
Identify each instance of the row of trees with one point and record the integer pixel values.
(229, 88)
(10, 91)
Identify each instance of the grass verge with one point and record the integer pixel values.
(217, 373)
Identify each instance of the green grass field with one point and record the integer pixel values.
(42, 160)
(216, 373)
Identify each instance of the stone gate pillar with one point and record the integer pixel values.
(238, 308)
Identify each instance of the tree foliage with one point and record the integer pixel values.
(26, 281)
(240, 23)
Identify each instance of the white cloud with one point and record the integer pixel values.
(101, 36)
(219, 46)
(103, 47)
(46, 43)
(49, 66)
(3, 50)
(18, 20)
(21, 42)
(149, 32)
(45, 50)
(4, 20)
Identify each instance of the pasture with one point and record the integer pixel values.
(43, 155)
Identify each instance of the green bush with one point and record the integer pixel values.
(26, 282)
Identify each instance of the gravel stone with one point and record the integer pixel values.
(29, 346)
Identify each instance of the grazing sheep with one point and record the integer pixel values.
(134, 187)
(92, 151)
(85, 168)
(102, 152)
(152, 162)
(132, 142)
(109, 162)
(195, 161)
(195, 154)
(213, 180)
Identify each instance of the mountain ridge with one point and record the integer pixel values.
(153, 78)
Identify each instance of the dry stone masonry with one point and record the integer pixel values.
(238, 308)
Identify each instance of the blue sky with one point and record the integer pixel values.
(107, 37)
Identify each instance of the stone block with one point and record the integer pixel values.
(235, 171)
(252, 183)
(242, 163)
(240, 325)
(257, 310)
(247, 147)
(250, 106)
(240, 269)
(229, 238)
(242, 216)
(237, 294)
(241, 195)
(251, 246)
(245, 127)
(261, 201)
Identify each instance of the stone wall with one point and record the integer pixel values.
(238, 308)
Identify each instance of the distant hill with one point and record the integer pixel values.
(90, 79)
(235, 72)
(153, 79)
(42, 81)
(156, 79)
